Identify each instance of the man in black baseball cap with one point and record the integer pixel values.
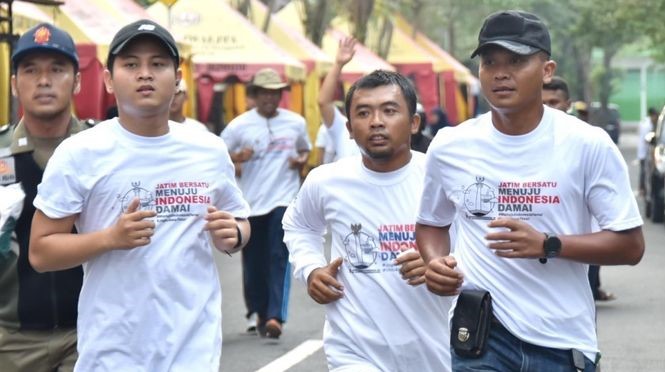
(519, 32)
(143, 27)
(122, 166)
(530, 254)
(38, 311)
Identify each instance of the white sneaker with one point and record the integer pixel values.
(251, 323)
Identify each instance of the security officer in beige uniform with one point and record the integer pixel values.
(37, 311)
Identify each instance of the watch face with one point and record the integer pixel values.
(552, 246)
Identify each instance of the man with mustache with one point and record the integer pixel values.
(38, 310)
(378, 316)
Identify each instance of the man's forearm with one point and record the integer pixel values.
(327, 94)
(432, 241)
(327, 91)
(63, 251)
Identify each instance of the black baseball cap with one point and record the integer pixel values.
(519, 32)
(45, 37)
(140, 28)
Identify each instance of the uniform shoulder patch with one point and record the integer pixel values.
(7, 168)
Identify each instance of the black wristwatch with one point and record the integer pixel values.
(551, 247)
(239, 243)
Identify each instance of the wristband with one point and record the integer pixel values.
(239, 243)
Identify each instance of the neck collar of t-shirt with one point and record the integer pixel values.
(543, 125)
(136, 139)
(386, 178)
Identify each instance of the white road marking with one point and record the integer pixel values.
(293, 357)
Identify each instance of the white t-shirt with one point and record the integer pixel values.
(267, 181)
(324, 142)
(381, 319)
(644, 129)
(555, 178)
(339, 135)
(157, 307)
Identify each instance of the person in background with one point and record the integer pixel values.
(510, 179)
(38, 311)
(378, 316)
(111, 112)
(272, 146)
(556, 96)
(325, 151)
(437, 120)
(581, 110)
(648, 124)
(420, 140)
(149, 198)
(177, 113)
(331, 113)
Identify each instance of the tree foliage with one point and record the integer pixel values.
(577, 27)
(580, 29)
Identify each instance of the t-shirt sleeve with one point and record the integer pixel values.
(303, 143)
(321, 137)
(435, 208)
(304, 226)
(231, 199)
(62, 192)
(608, 191)
(230, 137)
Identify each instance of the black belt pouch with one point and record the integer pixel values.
(471, 323)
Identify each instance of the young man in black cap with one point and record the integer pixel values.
(38, 311)
(148, 198)
(522, 183)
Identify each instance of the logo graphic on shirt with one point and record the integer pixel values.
(360, 248)
(146, 198)
(479, 198)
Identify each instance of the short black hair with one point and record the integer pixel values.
(557, 83)
(379, 78)
(652, 111)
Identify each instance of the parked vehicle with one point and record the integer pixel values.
(654, 195)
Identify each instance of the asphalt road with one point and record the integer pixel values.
(631, 328)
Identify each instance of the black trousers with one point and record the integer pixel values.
(594, 280)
